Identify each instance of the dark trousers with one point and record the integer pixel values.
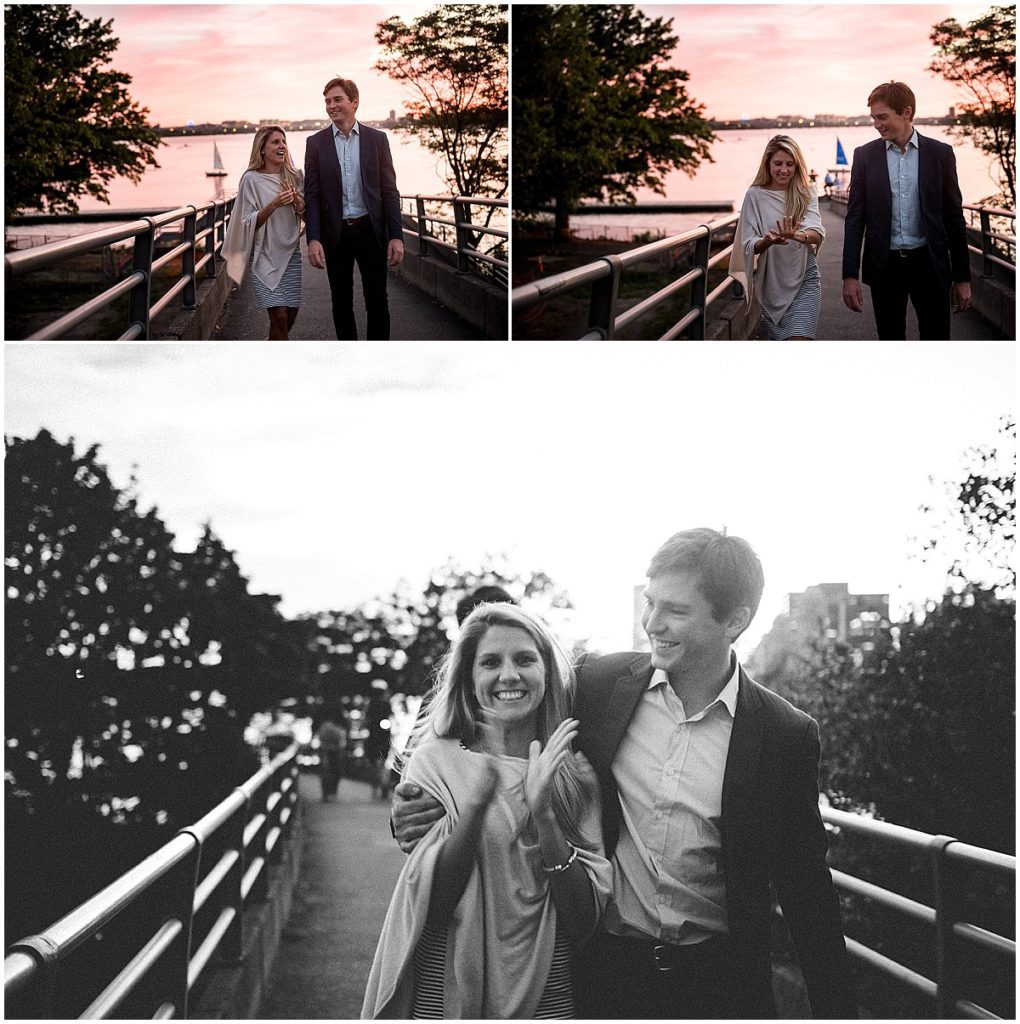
(616, 978)
(910, 275)
(358, 244)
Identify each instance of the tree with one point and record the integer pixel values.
(601, 106)
(70, 125)
(454, 59)
(980, 59)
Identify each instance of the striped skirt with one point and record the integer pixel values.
(287, 292)
(557, 1002)
(801, 318)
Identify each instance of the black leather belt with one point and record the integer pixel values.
(667, 957)
(354, 221)
(904, 253)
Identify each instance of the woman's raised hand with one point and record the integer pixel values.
(786, 227)
(543, 765)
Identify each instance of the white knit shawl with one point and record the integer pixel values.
(274, 243)
(777, 273)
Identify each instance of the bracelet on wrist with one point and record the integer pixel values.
(557, 868)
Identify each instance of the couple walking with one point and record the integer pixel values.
(348, 202)
(905, 207)
(630, 879)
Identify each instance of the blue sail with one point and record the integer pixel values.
(841, 160)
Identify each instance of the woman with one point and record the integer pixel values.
(777, 235)
(265, 229)
(486, 907)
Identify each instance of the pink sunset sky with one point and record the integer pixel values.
(766, 60)
(226, 62)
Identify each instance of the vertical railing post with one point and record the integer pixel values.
(232, 949)
(699, 288)
(945, 917)
(141, 262)
(183, 904)
(462, 218)
(986, 242)
(604, 292)
(419, 204)
(209, 226)
(189, 297)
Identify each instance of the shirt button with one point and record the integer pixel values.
(658, 814)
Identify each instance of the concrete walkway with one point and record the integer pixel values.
(836, 321)
(413, 316)
(348, 868)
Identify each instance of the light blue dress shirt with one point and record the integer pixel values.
(348, 154)
(907, 232)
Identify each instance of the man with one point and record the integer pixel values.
(709, 791)
(352, 211)
(905, 205)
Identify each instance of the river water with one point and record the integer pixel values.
(181, 179)
(736, 156)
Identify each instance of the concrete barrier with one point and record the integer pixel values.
(236, 991)
(483, 305)
(195, 324)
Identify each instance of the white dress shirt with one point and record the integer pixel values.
(668, 882)
(348, 153)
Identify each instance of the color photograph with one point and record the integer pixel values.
(746, 169)
(201, 178)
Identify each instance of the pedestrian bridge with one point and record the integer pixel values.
(158, 274)
(270, 907)
(697, 301)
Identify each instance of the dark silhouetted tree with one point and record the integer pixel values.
(979, 58)
(602, 106)
(70, 126)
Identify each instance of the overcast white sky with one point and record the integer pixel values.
(336, 470)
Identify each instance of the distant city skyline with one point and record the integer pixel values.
(746, 57)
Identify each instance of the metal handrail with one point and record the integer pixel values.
(213, 216)
(604, 276)
(178, 945)
(989, 257)
(467, 233)
(949, 932)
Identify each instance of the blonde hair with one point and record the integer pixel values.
(799, 192)
(257, 161)
(452, 707)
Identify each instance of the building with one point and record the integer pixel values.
(830, 614)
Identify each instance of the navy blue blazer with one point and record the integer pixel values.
(869, 212)
(324, 191)
(771, 828)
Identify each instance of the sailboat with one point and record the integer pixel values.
(218, 170)
(842, 168)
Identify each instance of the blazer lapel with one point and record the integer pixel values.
(622, 698)
(739, 779)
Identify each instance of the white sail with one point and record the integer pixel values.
(217, 162)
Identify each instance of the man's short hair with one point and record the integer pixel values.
(897, 95)
(729, 573)
(488, 594)
(346, 84)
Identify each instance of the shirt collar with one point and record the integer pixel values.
(728, 694)
(912, 141)
(355, 130)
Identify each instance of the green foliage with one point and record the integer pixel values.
(602, 109)
(454, 60)
(980, 59)
(70, 126)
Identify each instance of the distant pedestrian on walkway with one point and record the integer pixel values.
(265, 230)
(332, 754)
(906, 208)
(353, 211)
(777, 236)
(487, 907)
